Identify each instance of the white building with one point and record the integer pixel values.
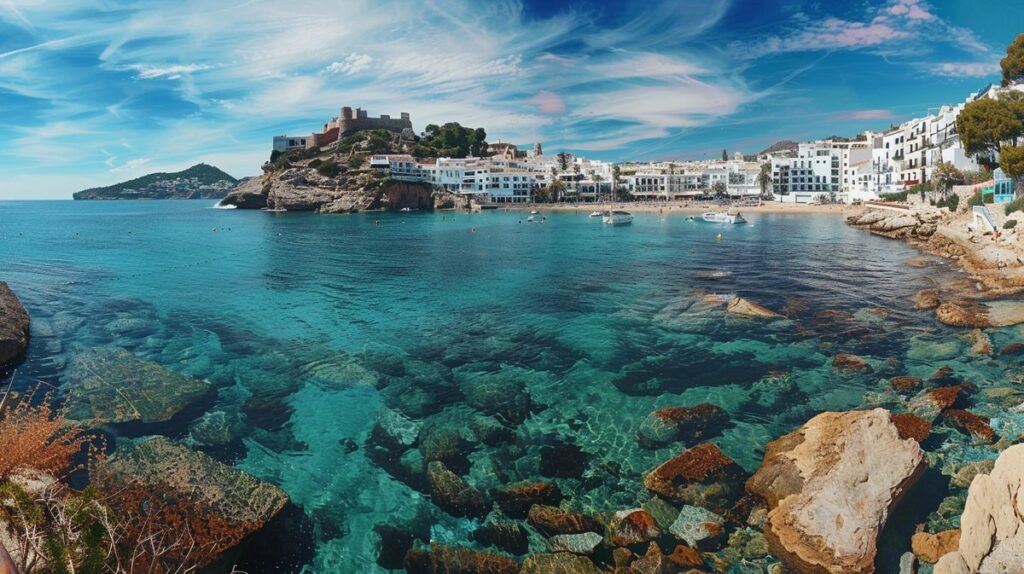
(487, 179)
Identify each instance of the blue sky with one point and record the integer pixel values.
(98, 91)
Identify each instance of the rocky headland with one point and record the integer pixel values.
(200, 181)
(14, 327)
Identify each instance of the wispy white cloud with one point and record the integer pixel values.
(964, 69)
(352, 64)
(864, 115)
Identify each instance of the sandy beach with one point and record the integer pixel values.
(686, 207)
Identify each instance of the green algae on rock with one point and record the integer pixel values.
(111, 385)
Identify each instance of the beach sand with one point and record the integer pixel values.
(685, 207)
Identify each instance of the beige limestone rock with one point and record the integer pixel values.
(832, 484)
(741, 306)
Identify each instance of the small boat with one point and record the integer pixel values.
(722, 217)
(405, 209)
(618, 218)
(534, 212)
(530, 219)
(596, 214)
(274, 209)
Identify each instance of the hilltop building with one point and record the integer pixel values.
(348, 122)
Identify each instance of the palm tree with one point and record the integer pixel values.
(597, 179)
(765, 179)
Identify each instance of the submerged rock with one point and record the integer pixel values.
(110, 385)
(515, 500)
(444, 559)
(696, 526)
(741, 306)
(585, 543)
(926, 299)
(552, 521)
(629, 527)
(845, 363)
(14, 326)
(992, 524)
(507, 535)
(700, 476)
(563, 461)
(930, 403)
(831, 485)
(453, 494)
(558, 563)
(168, 472)
(906, 384)
(688, 424)
(972, 424)
(912, 426)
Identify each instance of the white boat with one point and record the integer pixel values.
(722, 217)
(534, 212)
(617, 218)
(274, 209)
(596, 214)
(529, 219)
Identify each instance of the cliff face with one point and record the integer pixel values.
(305, 189)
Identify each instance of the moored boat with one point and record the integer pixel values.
(618, 218)
(722, 217)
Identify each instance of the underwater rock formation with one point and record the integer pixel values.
(700, 476)
(831, 485)
(688, 424)
(110, 385)
(453, 494)
(741, 306)
(515, 500)
(14, 326)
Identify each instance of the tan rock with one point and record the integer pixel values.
(832, 484)
(930, 547)
(992, 521)
(741, 306)
(926, 299)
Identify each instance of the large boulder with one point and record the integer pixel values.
(453, 494)
(111, 385)
(515, 500)
(250, 193)
(14, 326)
(831, 485)
(992, 524)
(224, 504)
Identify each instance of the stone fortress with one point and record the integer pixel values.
(345, 124)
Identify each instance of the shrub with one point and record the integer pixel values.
(356, 162)
(975, 200)
(37, 437)
(898, 196)
(1015, 205)
(328, 168)
(952, 202)
(1010, 224)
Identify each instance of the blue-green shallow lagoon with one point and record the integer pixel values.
(311, 326)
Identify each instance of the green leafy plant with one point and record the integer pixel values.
(1010, 224)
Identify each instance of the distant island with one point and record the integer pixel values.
(200, 181)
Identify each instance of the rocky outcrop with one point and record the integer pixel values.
(916, 223)
(741, 306)
(14, 326)
(673, 424)
(303, 188)
(992, 524)
(926, 299)
(110, 385)
(831, 485)
(930, 547)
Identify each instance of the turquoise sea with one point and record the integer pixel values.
(561, 332)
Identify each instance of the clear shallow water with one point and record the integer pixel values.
(310, 326)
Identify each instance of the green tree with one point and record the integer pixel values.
(945, 176)
(1013, 63)
(356, 162)
(725, 155)
(718, 188)
(984, 124)
(1011, 159)
(764, 179)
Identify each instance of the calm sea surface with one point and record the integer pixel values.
(569, 331)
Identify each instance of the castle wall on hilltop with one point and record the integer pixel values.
(348, 122)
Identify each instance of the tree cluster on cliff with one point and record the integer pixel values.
(451, 140)
(991, 126)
